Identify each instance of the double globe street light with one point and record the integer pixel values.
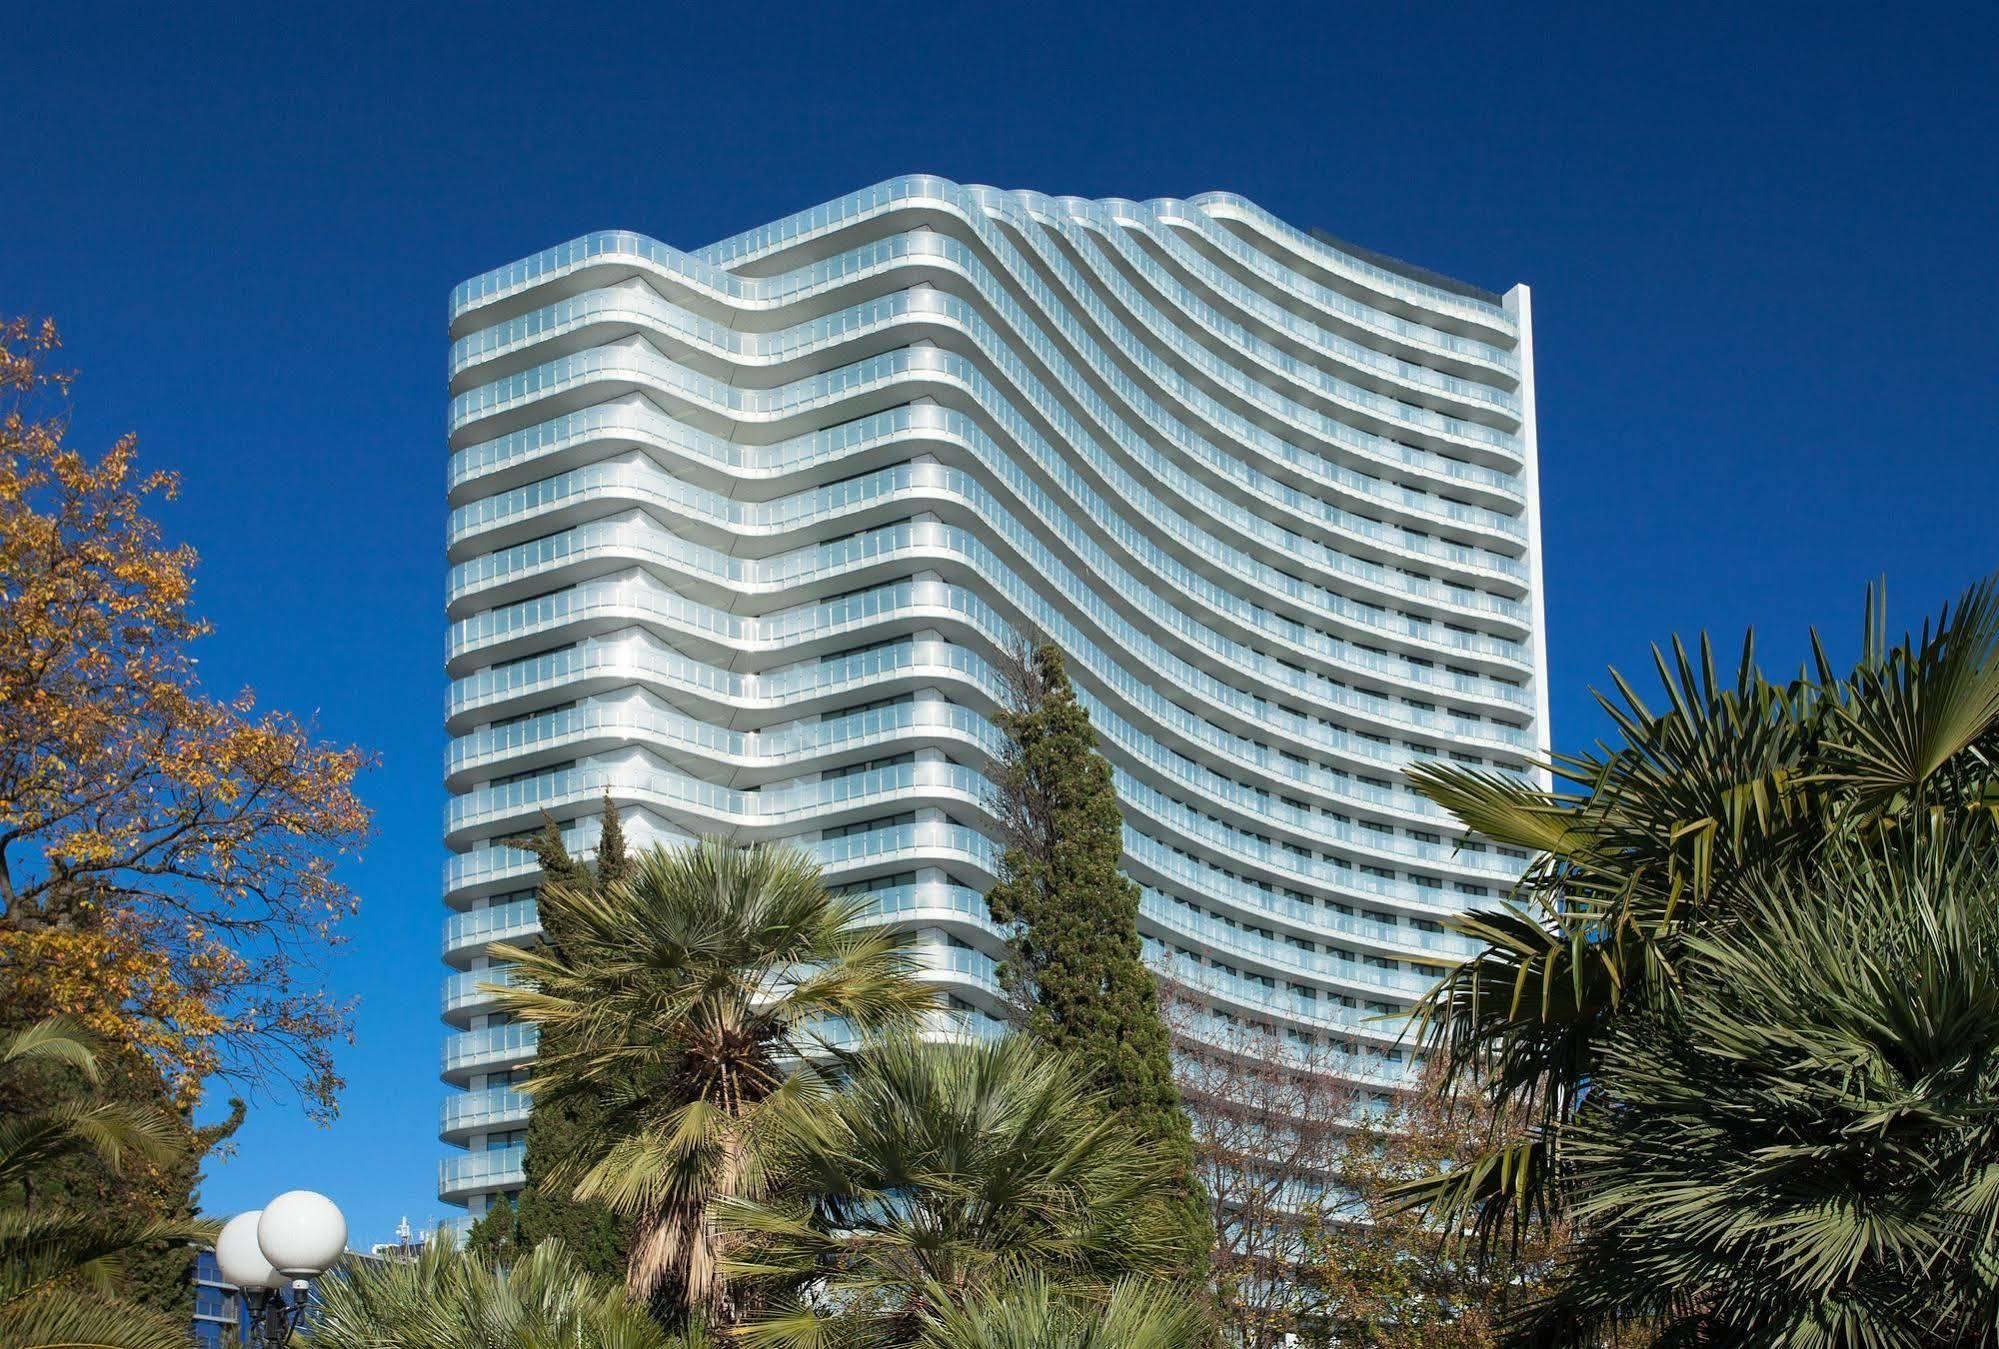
(296, 1237)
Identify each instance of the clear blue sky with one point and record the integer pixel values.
(1761, 239)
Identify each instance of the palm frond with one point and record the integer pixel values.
(43, 1252)
(1908, 715)
(953, 1166)
(62, 1320)
(115, 1132)
(1502, 807)
(446, 1299)
(1033, 1313)
(684, 999)
(53, 1040)
(1655, 862)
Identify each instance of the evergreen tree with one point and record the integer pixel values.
(161, 1275)
(495, 1237)
(592, 1234)
(1076, 970)
(614, 863)
(158, 1276)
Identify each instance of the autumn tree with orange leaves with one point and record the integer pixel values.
(167, 858)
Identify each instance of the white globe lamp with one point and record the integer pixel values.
(240, 1258)
(302, 1234)
(273, 1252)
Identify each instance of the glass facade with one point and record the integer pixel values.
(220, 1315)
(739, 536)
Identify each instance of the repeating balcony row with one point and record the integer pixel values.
(927, 428)
(643, 308)
(1316, 330)
(772, 690)
(1168, 913)
(1320, 1015)
(1194, 276)
(1023, 210)
(794, 748)
(925, 306)
(878, 612)
(911, 846)
(904, 847)
(1368, 845)
(607, 545)
(883, 614)
(906, 373)
(941, 486)
(1164, 916)
(801, 805)
(1027, 212)
(633, 565)
(513, 1045)
(504, 1048)
(473, 932)
(505, 1109)
(1282, 897)
(1150, 324)
(933, 486)
(706, 269)
(1167, 917)
(473, 989)
(622, 664)
(1450, 681)
(889, 848)
(1230, 205)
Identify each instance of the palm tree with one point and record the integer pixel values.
(692, 999)
(1656, 838)
(942, 1172)
(1803, 1148)
(1664, 845)
(59, 1269)
(1135, 1314)
(449, 1299)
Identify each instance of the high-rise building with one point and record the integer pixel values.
(738, 535)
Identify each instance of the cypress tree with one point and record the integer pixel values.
(1076, 970)
(614, 862)
(595, 1237)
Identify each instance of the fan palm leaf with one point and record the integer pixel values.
(942, 1171)
(1906, 720)
(1657, 838)
(1801, 1151)
(447, 1299)
(693, 999)
(115, 1132)
(1033, 1314)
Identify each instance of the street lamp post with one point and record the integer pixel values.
(295, 1238)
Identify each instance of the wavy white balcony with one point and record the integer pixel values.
(469, 1112)
(887, 611)
(474, 1172)
(570, 382)
(929, 428)
(705, 270)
